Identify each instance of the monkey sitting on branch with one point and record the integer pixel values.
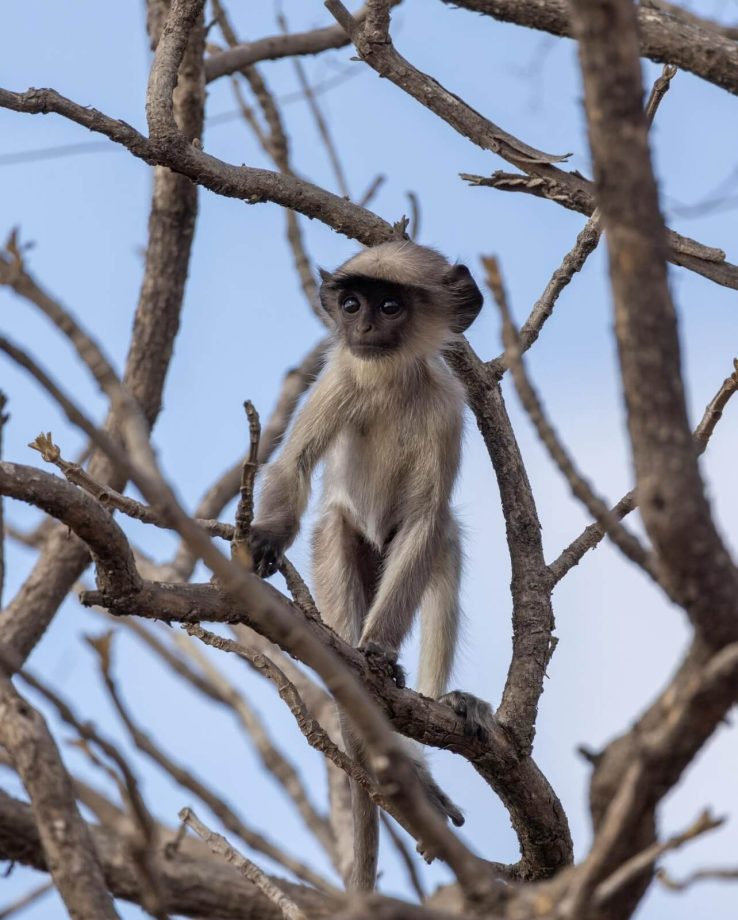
(386, 415)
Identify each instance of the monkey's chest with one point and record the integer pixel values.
(368, 474)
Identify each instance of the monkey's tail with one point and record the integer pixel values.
(366, 840)
(365, 817)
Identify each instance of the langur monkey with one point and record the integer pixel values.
(386, 416)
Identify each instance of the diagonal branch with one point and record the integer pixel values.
(594, 533)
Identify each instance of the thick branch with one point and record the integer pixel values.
(670, 491)
(663, 37)
(196, 885)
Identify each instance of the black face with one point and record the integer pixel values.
(373, 315)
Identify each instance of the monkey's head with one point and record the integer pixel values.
(399, 297)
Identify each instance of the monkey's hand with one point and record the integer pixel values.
(477, 714)
(384, 660)
(266, 550)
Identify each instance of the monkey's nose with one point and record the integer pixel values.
(367, 327)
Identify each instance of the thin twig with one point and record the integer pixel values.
(628, 543)
(273, 759)
(245, 510)
(218, 844)
(635, 866)
(215, 803)
(594, 533)
(320, 122)
(25, 900)
(727, 874)
(75, 474)
(585, 245)
(314, 733)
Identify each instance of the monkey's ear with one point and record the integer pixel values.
(465, 297)
(327, 294)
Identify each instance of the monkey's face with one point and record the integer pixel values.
(375, 318)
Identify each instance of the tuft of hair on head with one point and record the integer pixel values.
(406, 263)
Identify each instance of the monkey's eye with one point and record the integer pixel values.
(350, 305)
(390, 307)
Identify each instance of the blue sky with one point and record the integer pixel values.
(245, 321)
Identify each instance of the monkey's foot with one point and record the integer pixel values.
(477, 714)
(266, 552)
(441, 802)
(385, 660)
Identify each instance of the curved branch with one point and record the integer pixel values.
(83, 515)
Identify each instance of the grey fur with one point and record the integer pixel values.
(389, 428)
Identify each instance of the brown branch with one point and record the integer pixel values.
(218, 844)
(586, 243)
(196, 885)
(626, 542)
(689, 44)
(274, 761)
(693, 559)
(594, 533)
(278, 46)
(84, 516)
(634, 867)
(277, 147)
(144, 843)
(64, 835)
(245, 183)
(25, 900)
(728, 874)
(534, 808)
(245, 509)
(184, 777)
(171, 227)
(568, 188)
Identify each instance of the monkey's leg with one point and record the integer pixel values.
(440, 616)
(346, 569)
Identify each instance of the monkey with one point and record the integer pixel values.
(386, 418)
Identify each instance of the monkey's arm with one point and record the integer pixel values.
(286, 487)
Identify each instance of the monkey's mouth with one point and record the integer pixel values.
(368, 350)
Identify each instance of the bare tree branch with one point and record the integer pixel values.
(65, 838)
(218, 844)
(676, 514)
(664, 38)
(594, 533)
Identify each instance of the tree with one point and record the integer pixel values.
(128, 850)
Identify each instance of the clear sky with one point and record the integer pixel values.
(245, 321)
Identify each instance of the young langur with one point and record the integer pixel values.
(386, 415)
